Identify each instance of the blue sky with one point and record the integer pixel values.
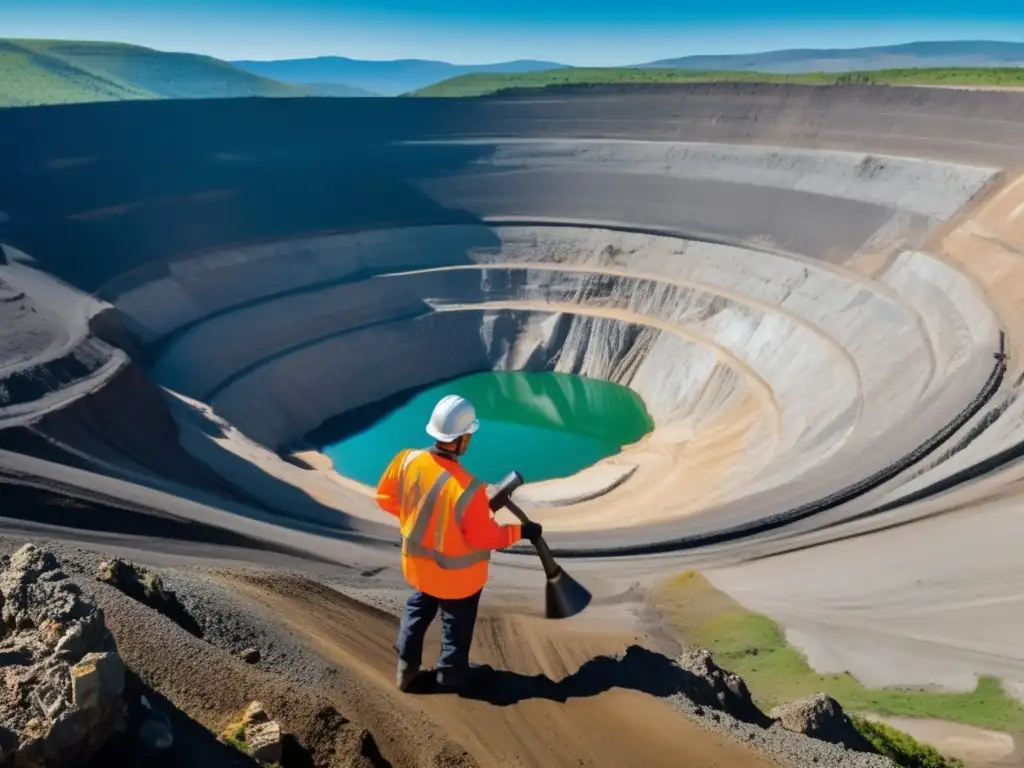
(581, 32)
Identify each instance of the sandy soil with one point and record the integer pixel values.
(917, 594)
(977, 747)
(549, 703)
(903, 610)
(987, 245)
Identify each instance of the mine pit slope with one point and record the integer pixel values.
(814, 290)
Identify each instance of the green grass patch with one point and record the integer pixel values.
(234, 735)
(481, 84)
(902, 748)
(755, 648)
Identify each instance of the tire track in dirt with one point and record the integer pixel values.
(558, 697)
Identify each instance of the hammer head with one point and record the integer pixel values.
(509, 483)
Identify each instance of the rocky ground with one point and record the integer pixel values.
(181, 693)
(790, 747)
(207, 675)
(63, 679)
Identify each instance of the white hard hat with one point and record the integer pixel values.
(452, 418)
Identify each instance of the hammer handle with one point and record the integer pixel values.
(551, 568)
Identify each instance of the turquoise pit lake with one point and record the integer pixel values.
(546, 425)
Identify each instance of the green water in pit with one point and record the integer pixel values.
(545, 425)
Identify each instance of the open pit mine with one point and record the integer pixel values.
(816, 292)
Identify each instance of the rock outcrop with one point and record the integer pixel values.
(148, 588)
(257, 735)
(820, 717)
(63, 679)
(710, 685)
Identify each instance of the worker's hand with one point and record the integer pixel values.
(532, 531)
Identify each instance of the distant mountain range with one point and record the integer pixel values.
(59, 71)
(388, 78)
(958, 53)
(392, 78)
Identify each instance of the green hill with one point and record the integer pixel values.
(482, 84)
(59, 71)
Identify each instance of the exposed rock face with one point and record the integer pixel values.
(148, 588)
(821, 717)
(264, 740)
(63, 679)
(262, 735)
(716, 687)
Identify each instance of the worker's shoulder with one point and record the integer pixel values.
(426, 460)
(467, 479)
(408, 455)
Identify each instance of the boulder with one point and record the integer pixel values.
(820, 717)
(257, 735)
(264, 742)
(62, 678)
(250, 655)
(98, 677)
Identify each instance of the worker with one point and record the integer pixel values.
(447, 538)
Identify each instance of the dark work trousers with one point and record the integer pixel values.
(458, 619)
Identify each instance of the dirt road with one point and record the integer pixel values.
(558, 696)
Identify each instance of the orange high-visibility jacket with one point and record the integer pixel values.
(447, 529)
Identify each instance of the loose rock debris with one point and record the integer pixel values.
(63, 680)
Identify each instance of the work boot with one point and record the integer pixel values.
(406, 674)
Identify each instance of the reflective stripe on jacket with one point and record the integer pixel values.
(447, 530)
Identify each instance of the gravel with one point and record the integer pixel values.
(74, 561)
(787, 747)
(232, 625)
(388, 600)
(227, 622)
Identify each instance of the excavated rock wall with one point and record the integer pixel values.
(280, 335)
(697, 329)
(47, 354)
